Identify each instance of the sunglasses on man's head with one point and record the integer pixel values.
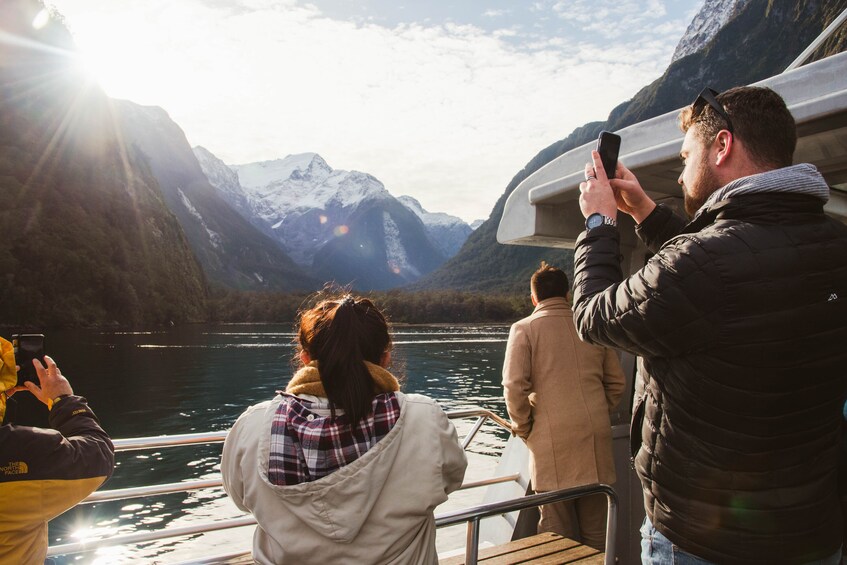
(709, 96)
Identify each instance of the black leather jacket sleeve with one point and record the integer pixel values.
(660, 226)
(668, 308)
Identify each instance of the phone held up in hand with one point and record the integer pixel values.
(608, 146)
(28, 347)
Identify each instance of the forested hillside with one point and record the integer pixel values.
(762, 40)
(85, 237)
(437, 306)
(231, 251)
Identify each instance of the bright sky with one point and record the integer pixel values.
(442, 100)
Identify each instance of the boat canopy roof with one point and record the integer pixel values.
(544, 209)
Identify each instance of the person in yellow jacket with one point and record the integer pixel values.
(44, 472)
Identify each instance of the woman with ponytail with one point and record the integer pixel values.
(342, 467)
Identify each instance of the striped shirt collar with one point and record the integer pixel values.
(796, 179)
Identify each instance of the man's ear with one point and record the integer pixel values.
(533, 298)
(385, 360)
(724, 145)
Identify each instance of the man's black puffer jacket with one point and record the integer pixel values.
(741, 322)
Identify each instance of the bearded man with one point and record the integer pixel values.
(740, 322)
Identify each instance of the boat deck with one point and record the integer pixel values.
(541, 549)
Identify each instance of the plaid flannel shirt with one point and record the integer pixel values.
(306, 446)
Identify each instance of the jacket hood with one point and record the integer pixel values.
(336, 506)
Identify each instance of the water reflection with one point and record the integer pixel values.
(202, 378)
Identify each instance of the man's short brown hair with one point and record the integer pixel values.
(760, 119)
(548, 281)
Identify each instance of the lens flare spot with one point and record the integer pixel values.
(341, 230)
(41, 19)
(323, 219)
(394, 268)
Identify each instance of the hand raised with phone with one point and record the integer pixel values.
(595, 194)
(629, 196)
(53, 383)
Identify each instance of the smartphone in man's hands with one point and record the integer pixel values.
(28, 347)
(608, 146)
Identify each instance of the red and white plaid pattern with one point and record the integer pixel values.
(306, 446)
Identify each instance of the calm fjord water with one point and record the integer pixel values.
(201, 378)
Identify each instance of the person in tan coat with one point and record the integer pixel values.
(559, 394)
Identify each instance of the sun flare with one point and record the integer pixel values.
(114, 54)
(118, 70)
(41, 19)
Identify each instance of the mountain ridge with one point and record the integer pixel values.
(724, 61)
(341, 226)
(232, 251)
(85, 237)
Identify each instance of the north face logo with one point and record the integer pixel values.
(832, 297)
(15, 468)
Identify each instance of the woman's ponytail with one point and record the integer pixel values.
(341, 335)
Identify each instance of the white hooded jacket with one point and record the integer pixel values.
(377, 509)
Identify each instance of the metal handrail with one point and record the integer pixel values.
(153, 442)
(472, 516)
(475, 514)
(185, 486)
(824, 35)
(141, 537)
(139, 492)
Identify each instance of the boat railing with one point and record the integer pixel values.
(474, 515)
(813, 46)
(155, 442)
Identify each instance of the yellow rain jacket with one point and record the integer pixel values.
(44, 472)
(8, 374)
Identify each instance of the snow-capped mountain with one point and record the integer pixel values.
(448, 232)
(342, 225)
(231, 251)
(303, 201)
(305, 181)
(709, 20)
(224, 179)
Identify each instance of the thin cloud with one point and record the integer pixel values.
(612, 18)
(446, 113)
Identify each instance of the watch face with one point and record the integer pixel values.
(594, 220)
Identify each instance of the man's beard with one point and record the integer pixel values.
(704, 185)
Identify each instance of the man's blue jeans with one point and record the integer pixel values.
(656, 549)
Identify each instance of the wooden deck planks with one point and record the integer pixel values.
(542, 549)
(583, 555)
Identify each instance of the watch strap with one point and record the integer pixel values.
(604, 221)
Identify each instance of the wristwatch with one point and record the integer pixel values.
(598, 219)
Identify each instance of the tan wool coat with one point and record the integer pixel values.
(559, 393)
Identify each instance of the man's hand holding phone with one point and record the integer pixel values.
(596, 195)
(606, 173)
(629, 196)
(53, 384)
